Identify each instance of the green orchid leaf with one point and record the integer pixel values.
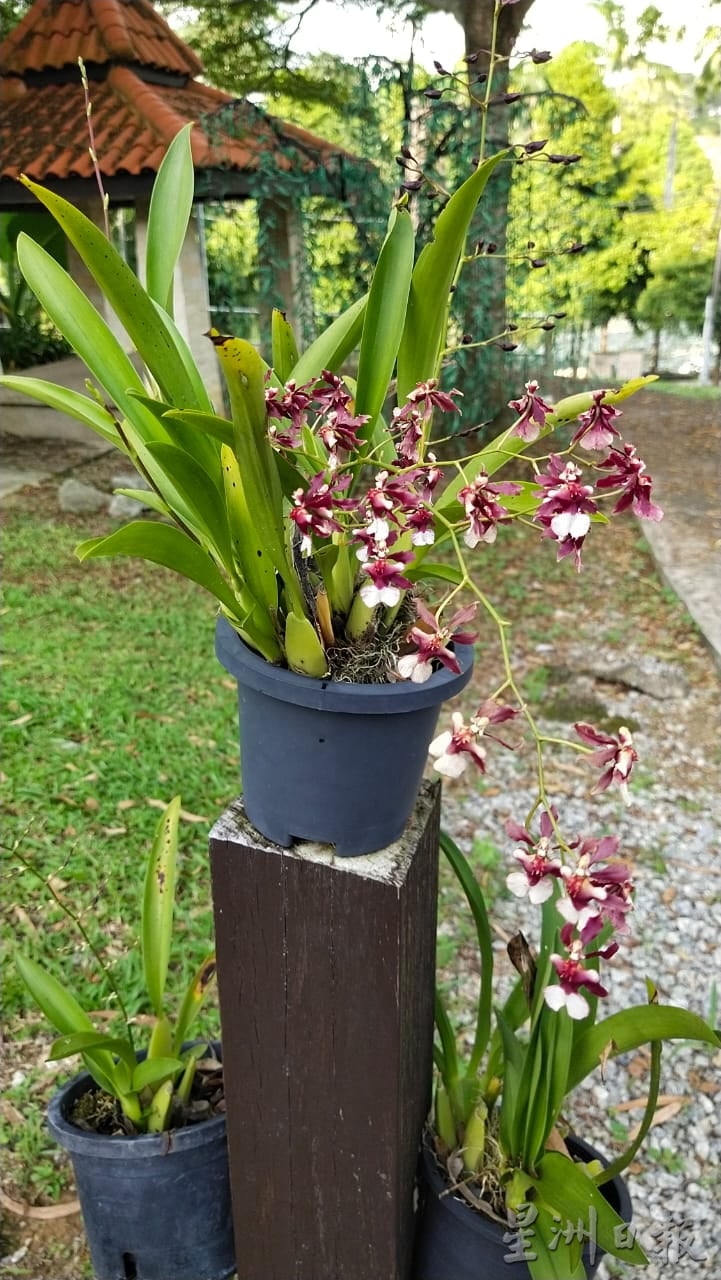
(334, 345)
(202, 397)
(149, 499)
(513, 1101)
(53, 998)
(195, 994)
(179, 432)
(244, 372)
(153, 1071)
(82, 408)
(565, 1187)
(251, 558)
(87, 333)
(219, 428)
(384, 318)
(474, 896)
(170, 204)
(200, 503)
(444, 1121)
(429, 299)
(285, 351)
(137, 312)
(158, 1115)
(434, 569)
(166, 545)
(161, 1037)
(629, 1030)
(449, 1053)
(550, 1256)
(85, 1041)
(156, 925)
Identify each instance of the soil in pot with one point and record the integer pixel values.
(456, 1242)
(154, 1206)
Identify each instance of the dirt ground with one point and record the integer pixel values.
(679, 440)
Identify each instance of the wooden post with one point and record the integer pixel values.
(326, 978)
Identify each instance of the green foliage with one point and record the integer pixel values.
(27, 337)
(641, 199)
(111, 1059)
(499, 1119)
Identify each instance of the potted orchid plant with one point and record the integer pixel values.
(144, 1123)
(502, 1179)
(313, 515)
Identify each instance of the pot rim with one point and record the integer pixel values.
(336, 695)
(124, 1146)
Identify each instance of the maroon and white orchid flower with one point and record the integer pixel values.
(314, 508)
(431, 642)
(532, 412)
(565, 994)
(481, 508)
(566, 510)
(616, 756)
(540, 866)
(454, 749)
(597, 430)
(628, 472)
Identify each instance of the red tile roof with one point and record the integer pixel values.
(55, 34)
(43, 133)
(143, 93)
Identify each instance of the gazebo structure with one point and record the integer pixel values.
(144, 86)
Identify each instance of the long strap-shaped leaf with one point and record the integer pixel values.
(88, 335)
(170, 205)
(385, 318)
(334, 345)
(201, 495)
(476, 902)
(134, 308)
(156, 924)
(429, 300)
(73, 403)
(631, 1028)
(285, 351)
(244, 373)
(166, 545)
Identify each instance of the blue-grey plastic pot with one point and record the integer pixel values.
(155, 1206)
(329, 761)
(456, 1242)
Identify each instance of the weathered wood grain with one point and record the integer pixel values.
(326, 972)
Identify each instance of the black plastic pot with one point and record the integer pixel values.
(329, 761)
(156, 1206)
(456, 1242)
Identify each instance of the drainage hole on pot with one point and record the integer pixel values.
(130, 1270)
(321, 739)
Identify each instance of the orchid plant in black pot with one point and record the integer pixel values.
(315, 516)
(144, 1124)
(502, 1180)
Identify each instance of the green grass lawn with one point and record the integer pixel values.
(115, 703)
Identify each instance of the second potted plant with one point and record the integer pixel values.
(145, 1128)
(502, 1180)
